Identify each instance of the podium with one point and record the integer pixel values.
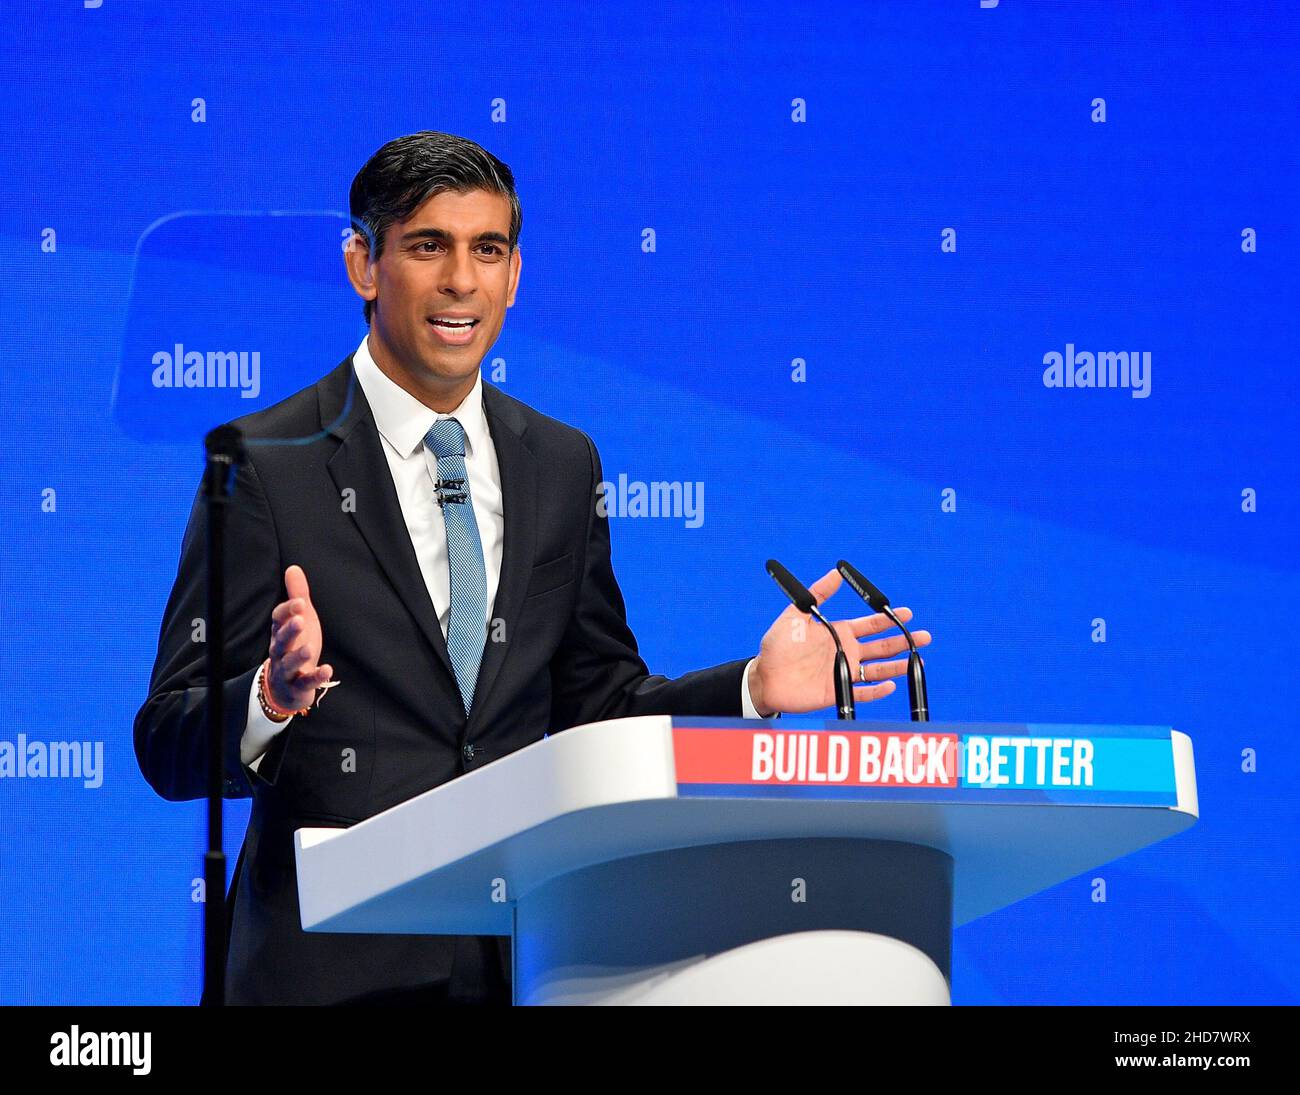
(691, 860)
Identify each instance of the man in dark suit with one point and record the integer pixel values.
(437, 552)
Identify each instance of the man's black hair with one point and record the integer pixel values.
(409, 170)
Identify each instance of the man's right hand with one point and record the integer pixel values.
(294, 674)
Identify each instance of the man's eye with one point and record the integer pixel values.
(488, 248)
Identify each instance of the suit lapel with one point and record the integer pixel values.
(518, 469)
(359, 463)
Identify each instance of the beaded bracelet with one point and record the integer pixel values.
(269, 709)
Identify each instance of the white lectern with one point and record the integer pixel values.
(691, 860)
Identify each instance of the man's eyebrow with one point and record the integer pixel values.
(445, 236)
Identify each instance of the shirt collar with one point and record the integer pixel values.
(402, 420)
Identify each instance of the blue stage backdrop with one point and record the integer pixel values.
(997, 300)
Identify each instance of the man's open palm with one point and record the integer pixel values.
(795, 667)
(296, 642)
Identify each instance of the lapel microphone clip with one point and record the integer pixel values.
(449, 490)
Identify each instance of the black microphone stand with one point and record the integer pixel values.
(916, 696)
(225, 452)
(804, 601)
(845, 705)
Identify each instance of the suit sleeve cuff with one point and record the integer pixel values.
(749, 711)
(259, 732)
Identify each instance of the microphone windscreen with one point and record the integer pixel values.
(798, 593)
(227, 441)
(863, 588)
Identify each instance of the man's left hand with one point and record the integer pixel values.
(796, 661)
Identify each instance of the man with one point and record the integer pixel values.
(432, 549)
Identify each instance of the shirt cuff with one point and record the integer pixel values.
(259, 731)
(748, 710)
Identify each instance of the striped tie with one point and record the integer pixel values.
(467, 625)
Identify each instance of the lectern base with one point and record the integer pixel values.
(831, 967)
(818, 921)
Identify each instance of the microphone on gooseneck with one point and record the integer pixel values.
(804, 601)
(916, 696)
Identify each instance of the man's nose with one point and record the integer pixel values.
(458, 272)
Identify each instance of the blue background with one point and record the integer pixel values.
(776, 240)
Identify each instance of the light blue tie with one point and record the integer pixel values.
(467, 624)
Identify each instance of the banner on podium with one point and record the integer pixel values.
(925, 762)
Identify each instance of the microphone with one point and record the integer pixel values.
(880, 603)
(225, 451)
(804, 601)
(449, 490)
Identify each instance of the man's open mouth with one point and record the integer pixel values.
(454, 331)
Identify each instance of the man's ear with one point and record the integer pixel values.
(515, 261)
(361, 271)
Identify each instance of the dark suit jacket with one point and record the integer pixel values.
(569, 658)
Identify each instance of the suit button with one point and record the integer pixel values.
(467, 751)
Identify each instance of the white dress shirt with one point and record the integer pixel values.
(402, 421)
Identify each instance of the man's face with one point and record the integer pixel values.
(447, 263)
